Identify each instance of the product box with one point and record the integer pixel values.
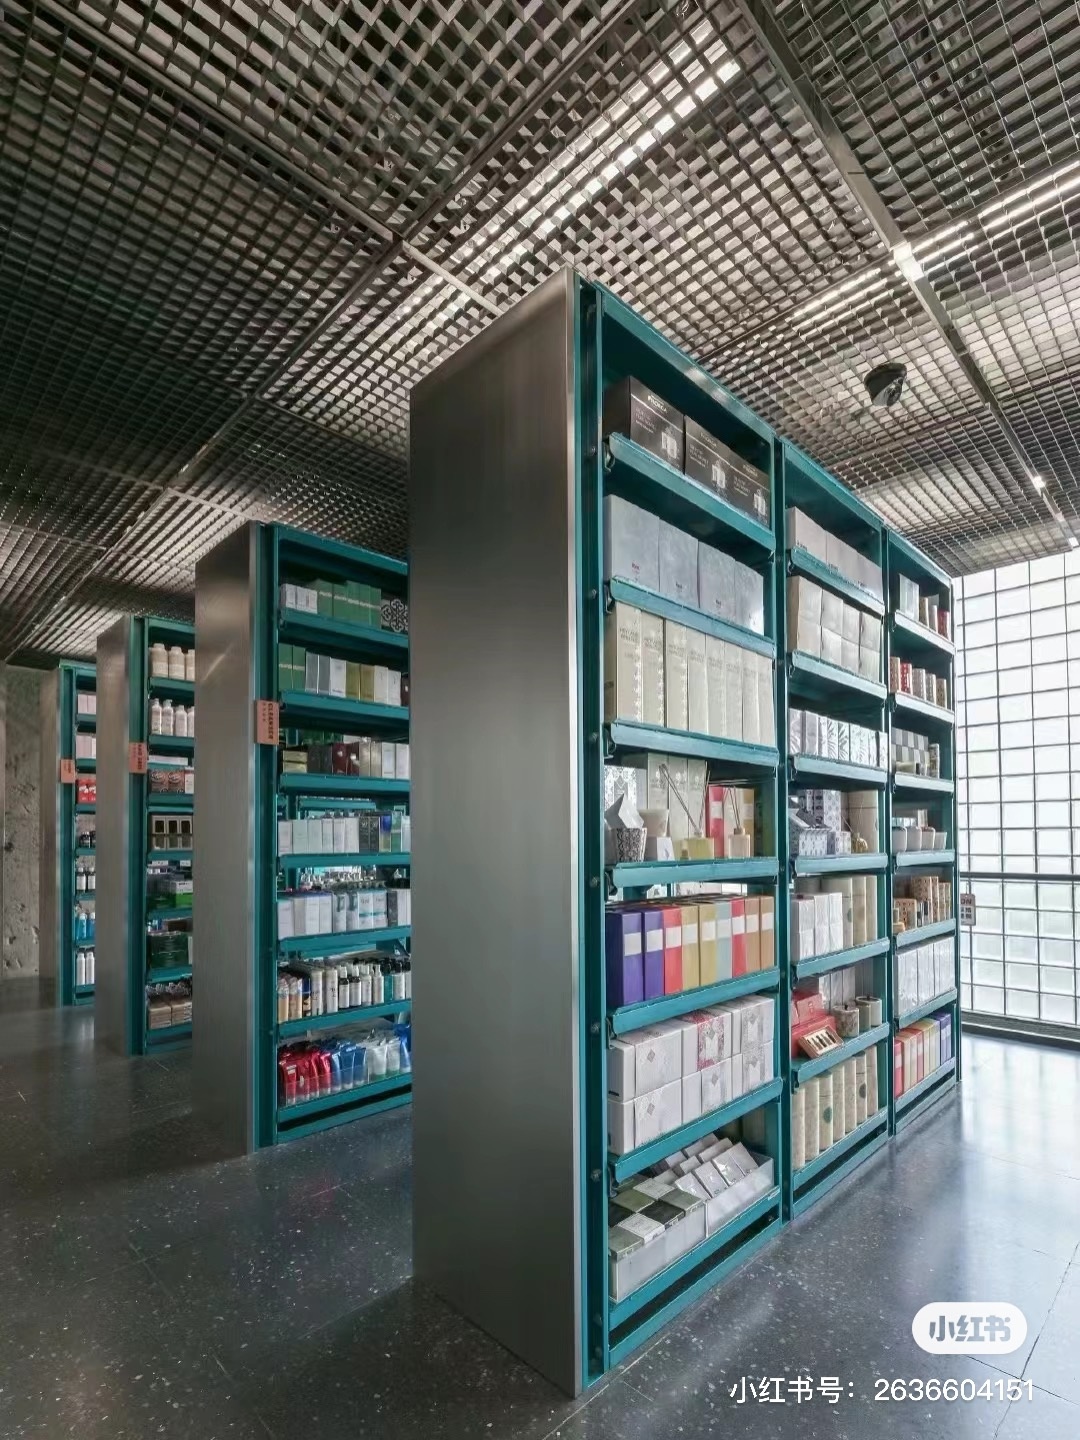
(870, 647)
(631, 543)
(691, 951)
(672, 915)
(768, 932)
(806, 534)
(717, 1085)
(716, 690)
(644, 1060)
(749, 599)
(738, 936)
(652, 934)
(898, 1067)
(752, 914)
(704, 458)
(691, 1097)
(766, 707)
(622, 664)
(716, 583)
(657, 1112)
(748, 488)
(734, 709)
(678, 565)
(724, 940)
(676, 692)
(337, 678)
(697, 691)
(652, 669)
(324, 591)
(804, 616)
(707, 964)
(633, 410)
(751, 719)
(625, 957)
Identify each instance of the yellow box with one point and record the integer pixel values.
(752, 911)
(367, 682)
(707, 967)
(352, 680)
(691, 947)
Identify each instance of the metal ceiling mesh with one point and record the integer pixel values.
(234, 235)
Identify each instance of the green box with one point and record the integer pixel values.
(285, 667)
(375, 600)
(342, 609)
(324, 590)
(357, 609)
(299, 667)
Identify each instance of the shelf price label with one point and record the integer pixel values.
(267, 722)
(138, 756)
(967, 909)
(67, 771)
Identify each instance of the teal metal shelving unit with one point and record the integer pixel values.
(65, 908)
(237, 1088)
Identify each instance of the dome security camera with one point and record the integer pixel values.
(885, 383)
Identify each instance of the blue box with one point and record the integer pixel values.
(623, 951)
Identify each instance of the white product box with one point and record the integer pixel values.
(859, 934)
(697, 688)
(285, 917)
(795, 731)
(691, 1097)
(836, 552)
(652, 669)
(713, 1035)
(749, 598)
(631, 543)
(716, 1085)
(284, 837)
(751, 719)
(852, 623)
(288, 598)
(849, 656)
(337, 678)
(676, 695)
(622, 664)
(393, 687)
(811, 733)
(870, 576)
(716, 583)
(326, 914)
(825, 1111)
(870, 647)
(620, 1126)
(326, 835)
(657, 1112)
(644, 1060)
(678, 565)
(738, 1085)
(804, 615)
(382, 685)
(832, 612)
(339, 835)
(733, 687)
(766, 706)
(716, 688)
(401, 760)
(812, 1119)
(872, 1081)
(843, 740)
(352, 834)
(807, 533)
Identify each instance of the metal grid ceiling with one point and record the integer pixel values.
(234, 233)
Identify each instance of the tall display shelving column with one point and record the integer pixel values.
(814, 512)
(146, 804)
(914, 643)
(508, 479)
(67, 844)
(265, 713)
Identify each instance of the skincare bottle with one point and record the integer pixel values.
(155, 715)
(159, 661)
(189, 664)
(180, 720)
(177, 669)
(168, 719)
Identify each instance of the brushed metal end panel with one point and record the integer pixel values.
(223, 870)
(112, 971)
(492, 598)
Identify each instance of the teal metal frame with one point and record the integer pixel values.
(287, 555)
(72, 677)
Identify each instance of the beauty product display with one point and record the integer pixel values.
(85, 746)
(914, 754)
(85, 874)
(86, 789)
(669, 1074)
(171, 662)
(829, 1107)
(827, 628)
(827, 738)
(657, 672)
(168, 717)
(920, 1049)
(85, 703)
(85, 922)
(920, 900)
(666, 947)
(168, 1004)
(85, 832)
(923, 972)
(171, 780)
(348, 601)
(659, 1216)
(632, 409)
(833, 822)
(310, 1070)
(647, 551)
(359, 755)
(169, 832)
(341, 906)
(925, 610)
(831, 1003)
(908, 679)
(839, 912)
(315, 674)
(84, 967)
(858, 569)
(336, 986)
(344, 832)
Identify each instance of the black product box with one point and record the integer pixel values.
(633, 410)
(748, 489)
(719, 468)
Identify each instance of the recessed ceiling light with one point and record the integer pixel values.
(1038, 482)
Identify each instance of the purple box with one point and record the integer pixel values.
(652, 929)
(625, 976)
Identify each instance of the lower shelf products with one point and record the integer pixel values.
(168, 1005)
(920, 900)
(334, 987)
(657, 1218)
(923, 972)
(673, 1073)
(920, 1049)
(84, 968)
(829, 1107)
(310, 1071)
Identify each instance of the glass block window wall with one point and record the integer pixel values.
(1018, 775)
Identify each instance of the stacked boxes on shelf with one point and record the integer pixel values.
(825, 627)
(833, 822)
(359, 756)
(920, 900)
(827, 1108)
(926, 610)
(823, 737)
(923, 972)
(804, 533)
(921, 1049)
(906, 678)
(837, 912)
(314, 674)
(348, 601)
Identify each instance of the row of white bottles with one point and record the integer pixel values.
(173, 663)
(169, 719)
(84, 967)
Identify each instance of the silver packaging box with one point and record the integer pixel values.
(631, 543)
(678, 565)
(652, 669)
(716, 583)
(795, 728)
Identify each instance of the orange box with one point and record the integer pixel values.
(768, 932)
(752, 912)
(738, 937)
(672, 948)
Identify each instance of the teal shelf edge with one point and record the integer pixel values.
(803, 1070)
(167, 973)
(939, 1002)
(169, 912)
(921, 785)
(806, 768)
(309, 551)
(181, 803)
(308, 945)
(801, 562)
(837, 959)
(85, 767)
(169, 1032)
(839, 864)
(809, 667)
(345, 786)
(171, 744)
(171, 689)
(645, 480)
(362, 1109)
(870, 1126)
(358, 1093)
(676, 872)
(387, 859)
(331, 709)
(622, 1310)
(288, 1029)
(649, 600)
(623, 1166)
(84, 895)
(924, 859)
(85, 809)
(929, 1082)
(85, 722)
(297, 627)
(908, 704)
(923, 933)
(85, 850)
(921, 635)
(823, 1182)
(915, 557)
(169, 855)
(82, 991)
(667, 1007)
(629, 735)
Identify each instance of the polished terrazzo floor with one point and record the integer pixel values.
(149, 1288)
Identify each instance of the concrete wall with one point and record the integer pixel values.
(21, 757)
